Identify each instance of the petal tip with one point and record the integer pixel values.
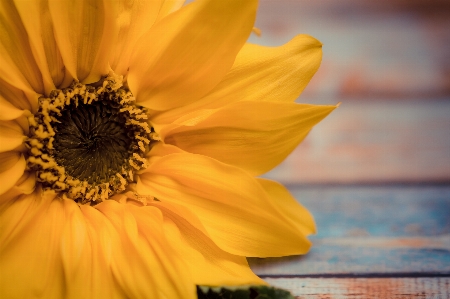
(312, 42)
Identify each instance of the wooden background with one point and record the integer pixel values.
(376, 173)
(373, 242)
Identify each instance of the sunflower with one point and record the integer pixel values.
(132, 137)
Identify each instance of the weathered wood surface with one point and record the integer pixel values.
(366, 288)
(374, 141)
(395, 237)
(372, 48)
(369, 236)
(388, 62)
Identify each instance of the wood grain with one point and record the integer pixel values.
(365, 288)
(372, 242)
(371, 230)
(373, 141)
(372, 49)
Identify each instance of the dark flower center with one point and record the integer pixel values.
(87, 142)
(92, 141)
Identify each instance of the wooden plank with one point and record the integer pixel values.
(338, 260)
(372, 230)
(374, 141)
(370, 48)
(394, 64)
(360, 211)
(365, 288)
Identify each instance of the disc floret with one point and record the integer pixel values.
(88, 141)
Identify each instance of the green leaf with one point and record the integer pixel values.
(242, 292)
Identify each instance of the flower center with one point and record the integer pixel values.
(91, 140)
(87, 142)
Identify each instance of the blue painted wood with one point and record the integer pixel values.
(371, 231)
(342, 211)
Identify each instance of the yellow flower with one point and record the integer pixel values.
(132, 135)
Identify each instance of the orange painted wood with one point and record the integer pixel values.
(365, 288)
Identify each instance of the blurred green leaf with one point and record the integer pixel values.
(243, 292)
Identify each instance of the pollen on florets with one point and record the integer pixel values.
(87, 142)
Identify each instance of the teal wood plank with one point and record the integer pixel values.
(371, 230)
(347, 211)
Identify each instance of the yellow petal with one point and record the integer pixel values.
(86, 263)
(133, 20)
(22, 124)
(84, 32)
(255, 136)
(161, 149)
(29, 248)
(18, 66)
(8, 111)
(142, 263)
(289, 207)
(11, 136)
(25, 185)
(169, 6)
(22, 97)
(49, 250)
(37, 22)
(12, 167)
(187, 53)
(103, 237)
(76, 253)
(262, 74)
(269, 73)
(208, 264)
(234, 209)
